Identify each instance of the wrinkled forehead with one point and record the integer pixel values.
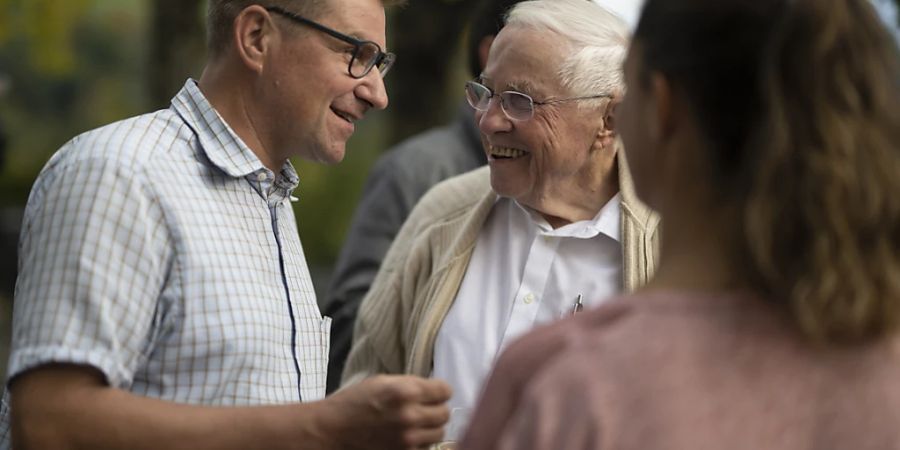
(525, 59)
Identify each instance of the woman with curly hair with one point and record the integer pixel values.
(765, 133)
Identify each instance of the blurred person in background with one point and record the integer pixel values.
(772, 320)
(551, 226)
(163, 298)
(397, 181)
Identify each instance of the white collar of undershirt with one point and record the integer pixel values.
(606, 221)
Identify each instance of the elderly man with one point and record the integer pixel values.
(550, 227)
(396, 183)
(163, 298)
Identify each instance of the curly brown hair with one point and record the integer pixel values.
(801, 102)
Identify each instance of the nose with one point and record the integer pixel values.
(493, 120)
(372, 90)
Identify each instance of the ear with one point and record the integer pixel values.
(253, 36)
(607, 131)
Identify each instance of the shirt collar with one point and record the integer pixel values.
(606, 221)
(224, 148)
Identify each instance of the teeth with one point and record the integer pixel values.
(344, 116)
(506, 152)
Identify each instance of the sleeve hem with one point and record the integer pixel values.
(26, 359)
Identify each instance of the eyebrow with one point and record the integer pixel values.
(358, 35)
(524, 86)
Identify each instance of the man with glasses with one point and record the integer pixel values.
(550, 227)
(163, 299)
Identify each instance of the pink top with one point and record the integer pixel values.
(675, 370)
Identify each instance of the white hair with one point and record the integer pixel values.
(597, 39)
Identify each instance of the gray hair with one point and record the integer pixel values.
(597, 38)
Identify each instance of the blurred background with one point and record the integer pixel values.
(67, 66)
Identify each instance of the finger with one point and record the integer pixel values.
(393, 391)
(430, 416)
(421, 437)
(434, 391)
(397, 391)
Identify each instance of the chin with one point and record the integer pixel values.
(330, 156)
(333, 159)
(506, 188)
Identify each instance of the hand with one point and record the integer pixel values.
(387, 412)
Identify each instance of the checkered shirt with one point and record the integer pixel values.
(162, 252)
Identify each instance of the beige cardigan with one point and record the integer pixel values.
(400, 316)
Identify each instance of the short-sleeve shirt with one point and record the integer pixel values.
(162, 252)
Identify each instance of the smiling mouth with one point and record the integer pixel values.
(497, 152)
(347, 117)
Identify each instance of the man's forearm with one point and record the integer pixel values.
(77, 413)
(69, 407)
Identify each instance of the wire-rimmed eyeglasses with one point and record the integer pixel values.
(366, 54)
(515, 105)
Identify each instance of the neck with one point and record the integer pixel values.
(230, 94)
(700, 251)
(559, 214)
(578, 198)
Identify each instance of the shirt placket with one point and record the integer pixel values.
(311, 329)
(264, 182)
(530, 292)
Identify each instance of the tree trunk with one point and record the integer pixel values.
(177, 47)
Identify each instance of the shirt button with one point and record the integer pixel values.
(529, 297)
(262, 176)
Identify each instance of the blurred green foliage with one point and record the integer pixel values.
(67, 66)
(74, 65)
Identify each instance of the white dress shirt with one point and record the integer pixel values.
(522, 273)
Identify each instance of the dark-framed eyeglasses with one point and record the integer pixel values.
(366, 54)
(515, 105)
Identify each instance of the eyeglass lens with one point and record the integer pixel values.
(515, 105)
(368, 55)
(365, 57)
